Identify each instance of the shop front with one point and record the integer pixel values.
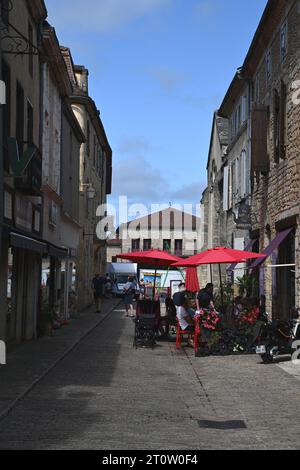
(20, 274)
(277, 272)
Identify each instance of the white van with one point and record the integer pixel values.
(119, 273)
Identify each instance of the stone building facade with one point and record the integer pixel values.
(52, 185)
(236, 171)
(212, 214)
(95, 179)
(273, 62)
(169, 230)
(22, 244)
(62, 138)
(261, 170)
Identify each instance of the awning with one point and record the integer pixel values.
(247, 248)
(27, 243)
(57, 252)
(272, 247)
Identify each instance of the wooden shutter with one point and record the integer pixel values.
(259, 146)
(230, 187)
(276, 131)
(243, 174)
(282, 132)
(225, 188)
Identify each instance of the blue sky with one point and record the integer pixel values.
(158, 70)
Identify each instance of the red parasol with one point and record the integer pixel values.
(192, 281)
(151, 258)
(218, 256)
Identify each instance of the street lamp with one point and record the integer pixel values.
(90, 191)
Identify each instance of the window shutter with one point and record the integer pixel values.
(225, 189)
(244, 109)
(243, 174)
(276, 111)
(259, 146)
(230, 187)
(283, 93)
(237, 180)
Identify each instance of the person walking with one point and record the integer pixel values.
(98, 287)
(129, 290)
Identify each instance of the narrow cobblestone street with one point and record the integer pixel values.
(107, 395)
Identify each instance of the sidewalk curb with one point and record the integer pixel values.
(23, 395)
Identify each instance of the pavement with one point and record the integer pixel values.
(31, 361)
(105, 395)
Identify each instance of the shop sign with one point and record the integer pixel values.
(23, 213)
(19, 163)
(37, 221)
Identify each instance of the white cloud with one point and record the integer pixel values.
(189, 193)
(143, 183)
(137, 179)
(100, 16)
(167, 78)
(134, 145)
(205, 9)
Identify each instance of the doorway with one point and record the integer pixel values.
(286, 278)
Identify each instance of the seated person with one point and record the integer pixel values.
(185, 321)
(170, 318)
(189, 306)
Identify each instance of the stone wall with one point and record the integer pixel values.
(276, 195)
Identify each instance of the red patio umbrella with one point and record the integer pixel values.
(192, 281)
(156, 258)
(218, 256)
